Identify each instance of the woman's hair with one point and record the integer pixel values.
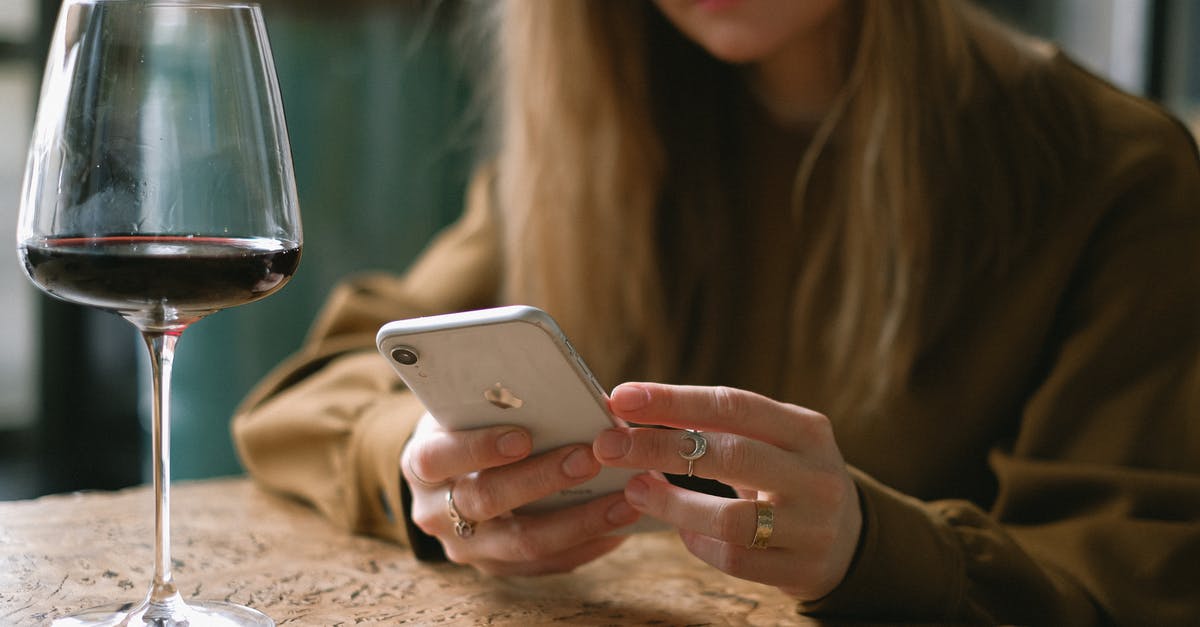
(610, 149)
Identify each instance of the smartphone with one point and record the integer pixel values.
(506, 365)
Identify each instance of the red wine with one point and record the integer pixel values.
(159, 281)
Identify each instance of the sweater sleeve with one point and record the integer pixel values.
(328, 424)
(1097, 516)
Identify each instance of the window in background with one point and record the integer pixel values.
(1181, 60)
(1149, 47)
(67, 412)
(18, 365)
(1111, 37)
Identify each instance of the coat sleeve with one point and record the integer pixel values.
(328, 424)
(1097, 518)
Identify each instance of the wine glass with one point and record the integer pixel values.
(159, 186)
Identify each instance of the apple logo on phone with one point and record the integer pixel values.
(501, 397)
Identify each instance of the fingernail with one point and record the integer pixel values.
(635, 492)
(630, 397)
(513, 444)
(580, 464)
(612, 444)
(621, 514)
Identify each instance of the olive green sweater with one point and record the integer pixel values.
(1040, 466)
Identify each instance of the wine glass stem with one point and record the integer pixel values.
(161, 345)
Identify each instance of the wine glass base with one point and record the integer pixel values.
(196, 614)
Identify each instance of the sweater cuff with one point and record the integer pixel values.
(385, 427)
(425, 547)
(907, 567)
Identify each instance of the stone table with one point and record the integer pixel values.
(233, 541)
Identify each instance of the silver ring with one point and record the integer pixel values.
(463, 527)
(764, 524)
(699, 448)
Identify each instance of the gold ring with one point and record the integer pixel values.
(463, 527)
(764, 523)
(699, 448)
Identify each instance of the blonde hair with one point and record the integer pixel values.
(592, 169)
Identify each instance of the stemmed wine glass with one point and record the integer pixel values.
(159, 186)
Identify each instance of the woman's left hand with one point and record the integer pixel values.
(779, 454)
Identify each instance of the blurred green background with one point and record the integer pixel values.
(379, 109)
(376, 103)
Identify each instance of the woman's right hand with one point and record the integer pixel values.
(489, 472)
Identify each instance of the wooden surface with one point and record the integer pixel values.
(232, 541)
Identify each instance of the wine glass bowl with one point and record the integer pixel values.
(160, 282)
(159, 140)
(159, 186)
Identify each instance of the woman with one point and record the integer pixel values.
(971, 259)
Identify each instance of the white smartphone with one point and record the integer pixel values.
(506, 365)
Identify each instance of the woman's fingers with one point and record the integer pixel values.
(798, 521)
(732, 459)
(795, 525)
(731, 520)
(524, 544)
(498, 491)
(729, 410)
(494, 492)
(489, 473)
(446, 454)
(808, 544)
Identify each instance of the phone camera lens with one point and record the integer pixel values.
(406, 356)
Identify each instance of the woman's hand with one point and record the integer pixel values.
(489, 473)
(780, 454)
